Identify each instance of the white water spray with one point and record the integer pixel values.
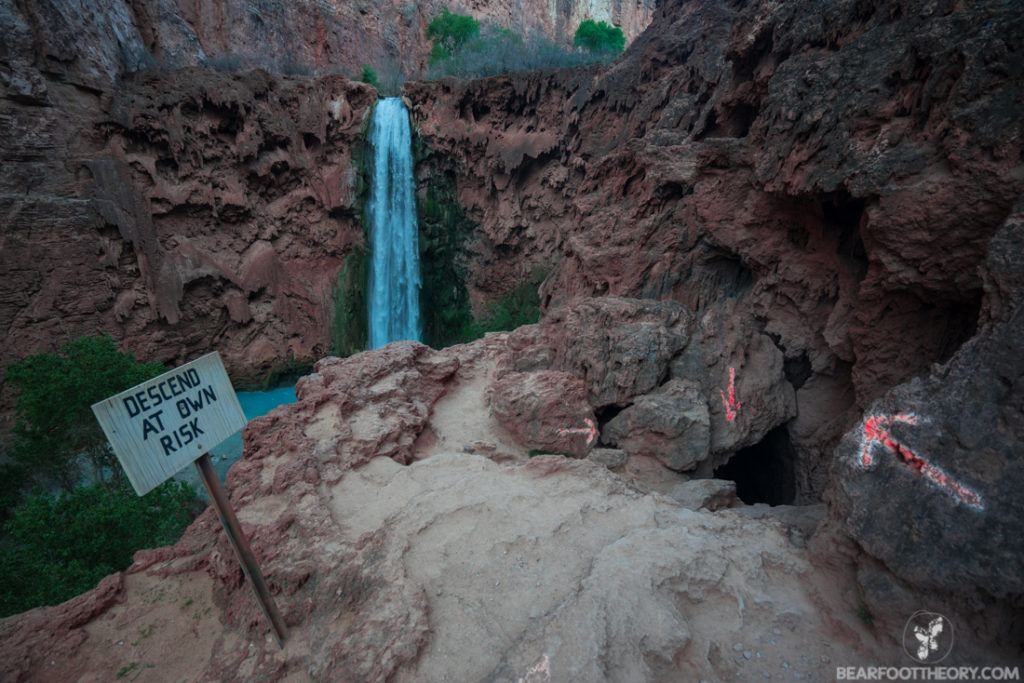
(394, 289)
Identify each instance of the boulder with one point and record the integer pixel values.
(670, 424)
(944, 455)
(620, 347)
(539, 407)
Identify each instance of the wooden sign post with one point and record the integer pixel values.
(165, 423)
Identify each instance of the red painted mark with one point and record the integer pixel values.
(590, 430)
(876, 431)
(732, 406)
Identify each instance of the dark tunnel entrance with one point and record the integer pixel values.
(764, 472)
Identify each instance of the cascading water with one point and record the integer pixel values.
(394, 288)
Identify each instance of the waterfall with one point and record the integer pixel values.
(394, 288)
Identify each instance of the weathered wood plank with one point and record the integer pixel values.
(163, 424)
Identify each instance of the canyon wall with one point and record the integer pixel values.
(95, 43)
(181, 210)
(184, 212)
(786, 230)
(829, 174)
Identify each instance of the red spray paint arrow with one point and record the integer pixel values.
(590, 430)
(875, 432)
(732, 406)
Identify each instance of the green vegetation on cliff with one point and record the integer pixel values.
(54, 547)
(369, 76)
(54, 424)
(521, 306)
(444, 231)
(445, 234)
(349, 325)
(349, 319)
(450, 33)
(463, 48)
(599, 37)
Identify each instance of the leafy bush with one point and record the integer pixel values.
(449, 33)
(54, 423)
(369, 76)
(12, 480)
(57, 547)
(497, 50)
(599, 37)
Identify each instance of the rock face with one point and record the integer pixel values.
(97, 43)
(662, 387)
(943, 453)
(788, 171)
(208, 211)
(705, 494)
(462, 566)
(539, 408)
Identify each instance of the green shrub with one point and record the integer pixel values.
(497, 50)
(54, 548)
(54, 423)
(12, 480)
(599, 37)
(449, 33)
(369, 76)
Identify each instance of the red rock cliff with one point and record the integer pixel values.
(830, 174)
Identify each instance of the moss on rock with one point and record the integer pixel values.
(444, 233)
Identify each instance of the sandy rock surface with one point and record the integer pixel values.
(395, 557)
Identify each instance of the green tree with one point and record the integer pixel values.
(54, 548)
(599, 37)
(54, 423)
(449, 32)
(369, 76)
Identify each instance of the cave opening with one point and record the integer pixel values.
(842, 217)
(764, 472)
(606, 414)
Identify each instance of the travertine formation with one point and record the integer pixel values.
(187, 211)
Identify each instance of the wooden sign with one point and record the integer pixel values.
(166, 423)
(159, 426)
